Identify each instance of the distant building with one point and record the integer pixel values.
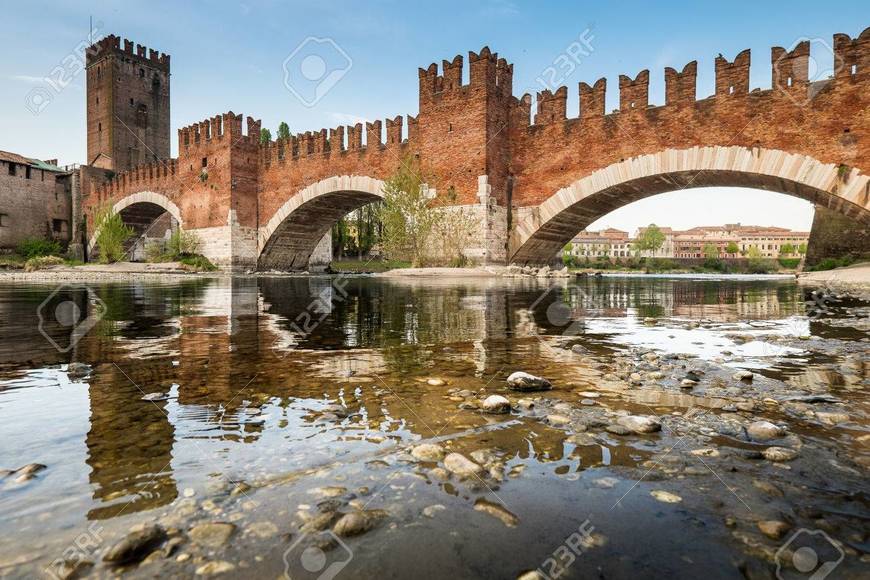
(728, 241)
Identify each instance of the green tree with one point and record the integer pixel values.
(732, 248)
(651, 239)
(786, 249)
(802, 249)
(753, 253)
(112, 233)
(265, 136)
(283, 131)
(710, 251)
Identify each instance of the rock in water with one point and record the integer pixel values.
(497, 511)
(640, 423)
(520, 381)
(155, 397)
(743, 376)
(77, 370)
(214, 568)
(136, 545)
(773, 529)
(666, 496)
(496, 404)
(764, 431)
(356, 523)
(461, 466)
(428, 452)
(212, 534)
(779, 454)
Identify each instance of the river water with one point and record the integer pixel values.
(243, 419)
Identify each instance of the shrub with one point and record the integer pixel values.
(37, 247)
(198, 263)
(39, 262)
(790, 263)
(112, 233)
(182, 243)
(831, 263)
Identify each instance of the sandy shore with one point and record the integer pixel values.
(119, 271)
(854, 279)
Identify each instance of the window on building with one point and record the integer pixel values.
(27, 172)
(11, 168)
(142, 73)
(205, 162)
(131, 101)
(58, 226)
(4, 220)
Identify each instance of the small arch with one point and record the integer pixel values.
(287, 241)
(148, 198)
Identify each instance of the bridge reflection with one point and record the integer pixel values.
(246, 360)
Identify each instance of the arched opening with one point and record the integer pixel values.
(290, 241)
(544, 231)
(152, 217)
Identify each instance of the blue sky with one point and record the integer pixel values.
(230, 55)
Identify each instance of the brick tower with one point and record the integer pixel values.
(127, 105)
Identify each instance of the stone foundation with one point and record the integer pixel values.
(835, 236)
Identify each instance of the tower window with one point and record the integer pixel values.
(142, 73)
(131, 101)
(205, 161)
(11, 169)
(142, 116)
(99, 127)
(27, 172)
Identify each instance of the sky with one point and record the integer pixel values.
(231, 56)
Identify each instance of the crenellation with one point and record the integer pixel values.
(521, 111)
(732, 78)
(373, 135)
(320, 142)
(336, 140)
(394, 131)
(483, 68)
(790, 69)
(852, 57)
(413, 129)
(452, 78)
(354, 137)
(634, 94)
(504, 75)
(592, 99)
(111, 45)
(552, 106)
(680, 87)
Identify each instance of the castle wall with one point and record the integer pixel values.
(34, 207)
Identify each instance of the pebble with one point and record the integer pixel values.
(558, 420)
(432, 510)
(606, 482)
(356, 523)
(743, 376)
(496, 404)
(428, 452)
(136, 545)
(779, 454)
(435, 382)
(520, 381)
(155, 397)
(665, 496)
(461, 466)
(214, 568)
(773, 529)
(263, 529)
(618, 429)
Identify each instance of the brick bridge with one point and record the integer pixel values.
(534, 180)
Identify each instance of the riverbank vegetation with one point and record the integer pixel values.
(182, 246)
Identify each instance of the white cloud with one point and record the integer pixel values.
(27, 79)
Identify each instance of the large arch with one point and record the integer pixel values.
(140, 210)
(287, 241)
(545, 230)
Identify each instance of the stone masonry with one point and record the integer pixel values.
(534, 179)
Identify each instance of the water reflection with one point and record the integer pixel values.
(250, 368)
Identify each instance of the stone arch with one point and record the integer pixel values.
(544, 231)
(287, 241)
(153, 205)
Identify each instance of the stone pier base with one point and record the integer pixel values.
(836, 236)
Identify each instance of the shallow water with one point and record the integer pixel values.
(284, 393)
